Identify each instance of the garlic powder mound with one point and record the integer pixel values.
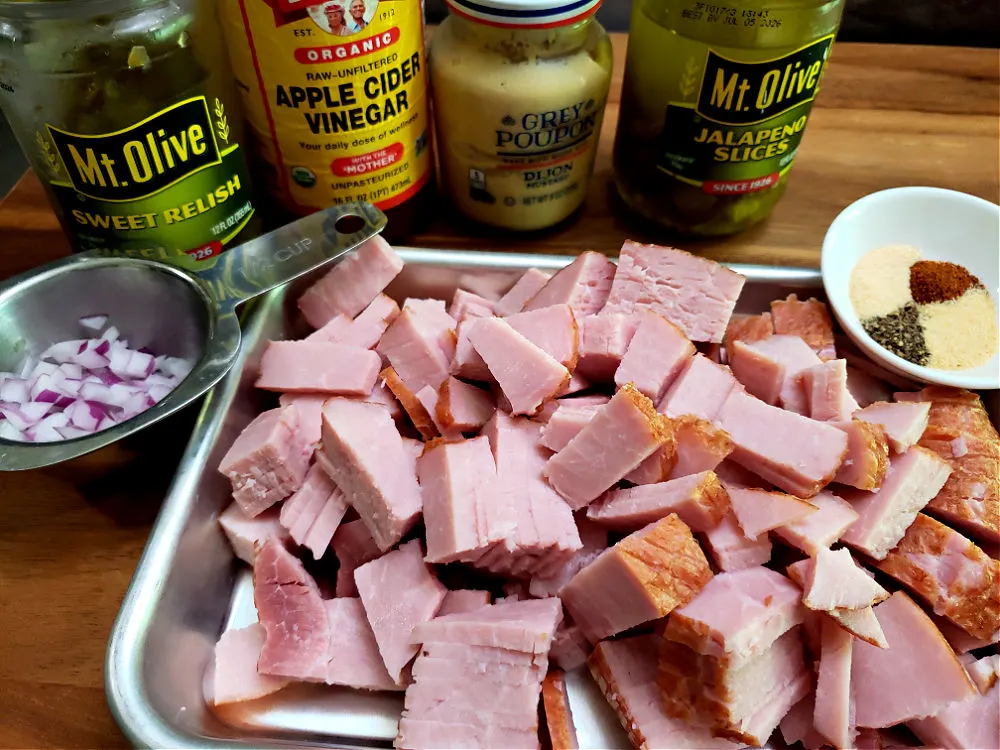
(880, 281)
(961, 333)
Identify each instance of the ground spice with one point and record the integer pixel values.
(880, 280)
(961, 333)
(901, 333)
(939, 281)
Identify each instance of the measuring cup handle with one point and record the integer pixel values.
(273, 259)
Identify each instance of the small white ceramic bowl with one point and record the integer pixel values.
(943, 225)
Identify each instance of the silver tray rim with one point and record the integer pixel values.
(126, 695)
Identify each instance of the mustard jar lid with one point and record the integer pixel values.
(535, 14)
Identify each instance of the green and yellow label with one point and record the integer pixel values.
(172, 182)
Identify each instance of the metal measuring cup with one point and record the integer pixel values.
(179, 306)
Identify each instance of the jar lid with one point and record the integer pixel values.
(534, 14)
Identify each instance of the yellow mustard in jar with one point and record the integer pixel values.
(519, 93)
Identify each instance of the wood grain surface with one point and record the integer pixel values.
(887, 116)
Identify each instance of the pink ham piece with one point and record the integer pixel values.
(915, 677)
(382, 396)
(659, 465)
(594, 539)
(836, 582)
(797, 726)
(463, 600)
(903, 423)
(620, 436)
(833, 710)
(626, 673)
(643, 577)
(699, 500)
(577, 383)
(527, 375)
(583, 285)
(371, 465)
(769, 369)
(747, 328)
(731, 550)
(465, 304)
(604, 340)
(398, 592)
(570, 648)
(817, 530)
(695, 294)
(809, 320)
(552, 329)
(246, 534)
(527, 286)
(801, 463)
(314, 512)
(412, 403)
(558, 715)
(961, 641)
(655, 356)
(463, 517)
(566, 423)
(420, 344)
(351, 285)
(467, 363)
(825, 387)
(318, 366)
(268, 461)
(955, 577)
(861, 623)
(310, 408)
(759, 511)
(912, 480)
(700, 390)
(737, 615)
(354, 659)
(867, 458)
(698, 446)
(527, 626)
(983, 672)
(353, 546)
(234, 677)
(364, 330)
(462, 407)
(972, 724)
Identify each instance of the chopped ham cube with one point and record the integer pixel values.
(604, 340)
(770, 369)
(527, 626)
(949, 572)
(810, 320)
(318, 366)
(984, 672)
(655, 356)
(462, 407)
(268, 461)
(398, 592)
(820, 529)
(912, 480)
(382, 396)
(801, 462)
(586, 467)
(759, 511)
(570, 648)
(558, 715)
(961, 641)
(867, 458)
(566, 423)
(583, 285)
(972, 724)
(467, 363)
(625, 671)
(861, 623)
(462, 513)
(695, 294)
(699, 500)
(412, 404)
(247, 534)
(527, 375)
(658, 465)
(310, 408)
(552, 329)
(594, 539)
(576, 384)
(903, 423)
(731, 550)
(916, 676)
(353, 545)
(748, 328)
(364, 330)
(354, 659)
(836, 582)
(371, 465)
(645, 576)
(351, 285)
(769, 606)
(699, 446)
(797, 726)
(825, 386)
(420, 344)
(700, 390)
(465, 304)
(463, 600)
(527, 286)
(314, 512)
(833, 710)
(234, 677)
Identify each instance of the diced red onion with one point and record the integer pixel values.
(110, 335)
(140, 365)
(159, 392)
(15, 391)
(103, 347)
(9, 432)
(71, 370)
(94, 322)
(64, 351)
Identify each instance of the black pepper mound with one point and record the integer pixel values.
(901, 333)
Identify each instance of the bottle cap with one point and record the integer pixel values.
(529, 14)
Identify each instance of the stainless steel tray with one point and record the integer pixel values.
(188, 586)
